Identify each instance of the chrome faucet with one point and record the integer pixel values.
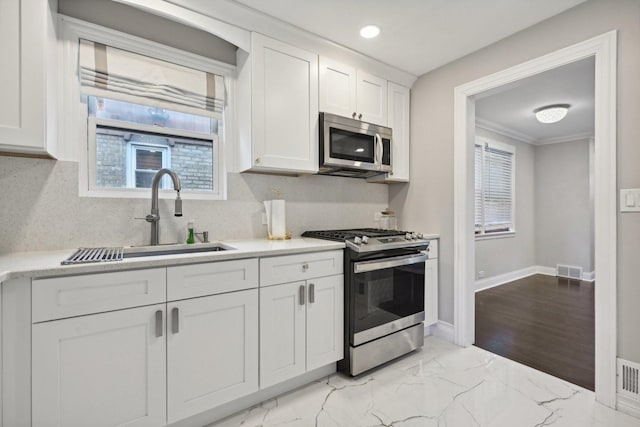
(154, 216)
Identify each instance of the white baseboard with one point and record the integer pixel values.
(442, 330)
(501, 279)
(628, 406)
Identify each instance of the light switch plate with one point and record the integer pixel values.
(630, 200)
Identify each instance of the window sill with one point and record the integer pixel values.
(146, 194)
(491, 236)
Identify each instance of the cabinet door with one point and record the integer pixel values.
(282, 332)
(24, 26)
(325, 321)
(398, 119)
(284, 107)
(372, 98)
(101, 370)
(337, 88)
(431, 292)
(212, 352)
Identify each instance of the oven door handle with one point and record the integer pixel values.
(363, 267)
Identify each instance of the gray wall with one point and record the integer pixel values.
(130, 20)
(427, 202)
(501, 255)
(41, 210)
(563, 211)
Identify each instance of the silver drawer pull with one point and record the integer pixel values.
(312, 293)
(175, 320)
(159, 325)
(305, 266)
(301, 294)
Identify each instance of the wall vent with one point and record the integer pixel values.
(569, 271)
(628, 384)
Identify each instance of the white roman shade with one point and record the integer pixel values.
(119, 74)
(494, 187)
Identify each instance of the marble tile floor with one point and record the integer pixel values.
(441, 385)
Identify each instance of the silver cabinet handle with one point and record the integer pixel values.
(312, 293)
(360, 116)
(175, 320)
(159, 325)
(301, 294)
(305, 266)
(353, 116)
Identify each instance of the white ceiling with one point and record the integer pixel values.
(511, 107)
(417, 35)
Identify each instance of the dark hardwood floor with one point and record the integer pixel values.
(541, 321)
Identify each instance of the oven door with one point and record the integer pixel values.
(386, 295)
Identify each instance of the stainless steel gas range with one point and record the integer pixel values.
(384, 294)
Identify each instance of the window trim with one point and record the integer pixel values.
(74, 123)
(483, 235)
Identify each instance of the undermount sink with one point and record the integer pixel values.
(174, 249)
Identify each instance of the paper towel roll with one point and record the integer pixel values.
(278, 227)
(267, 210)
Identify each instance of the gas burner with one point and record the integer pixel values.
(369, 239)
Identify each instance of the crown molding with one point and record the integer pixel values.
(503, 130)
(566, 138)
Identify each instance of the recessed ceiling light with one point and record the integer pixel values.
(551, 113)
(369, 31)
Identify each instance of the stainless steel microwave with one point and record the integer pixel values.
(353, 148)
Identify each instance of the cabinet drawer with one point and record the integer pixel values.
(61, 297)
(197, 280)
(291, 268)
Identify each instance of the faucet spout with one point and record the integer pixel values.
(154, 217)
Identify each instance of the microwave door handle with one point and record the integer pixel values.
(378, 157)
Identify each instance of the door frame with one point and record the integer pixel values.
(603, 48)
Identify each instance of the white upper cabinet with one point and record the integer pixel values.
(27, 45)
(337, 88)
(283, 98)
(371, 98)
(349, 92)
(399, 104)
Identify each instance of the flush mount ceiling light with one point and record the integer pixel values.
(551, 113)
(369, 31)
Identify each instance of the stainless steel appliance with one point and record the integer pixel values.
(384, 295)
(353, 148)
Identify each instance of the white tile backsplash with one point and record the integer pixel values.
(40, 208)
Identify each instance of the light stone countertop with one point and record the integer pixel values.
(47, 264)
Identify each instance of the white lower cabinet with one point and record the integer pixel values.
(212, 352)
(100, 370)
(113, 365)
(301, 327)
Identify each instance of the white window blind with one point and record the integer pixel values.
(119, 74)
(494, 187)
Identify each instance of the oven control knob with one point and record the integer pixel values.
(420, 235)
(408, 236)
(414, 235)
(357, 240)
(365, 239)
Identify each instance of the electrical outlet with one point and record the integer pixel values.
(481, 274)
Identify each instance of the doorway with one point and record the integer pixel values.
(603, 49)
(533, 222)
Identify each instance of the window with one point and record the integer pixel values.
(129, 143)
(494, 188)
(140, 107)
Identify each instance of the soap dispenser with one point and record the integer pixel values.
(192, 238)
